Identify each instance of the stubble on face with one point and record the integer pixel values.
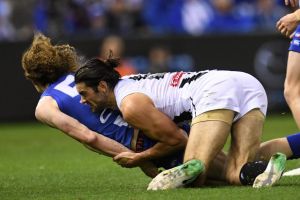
(102, 102)
(96, 99)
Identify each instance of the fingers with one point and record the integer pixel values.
(122, 161)
(121, 155)
(278, 24)
(286, 2)
(117, 157)
(283, 32)
(280, 27)
(292, 35)
(293, 3)
(283, 29)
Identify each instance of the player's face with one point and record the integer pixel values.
(97, 100)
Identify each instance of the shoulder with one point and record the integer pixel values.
(134, 103)
(45, 105)
(122, 89)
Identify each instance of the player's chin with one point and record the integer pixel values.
(94, 108)
(97, 109)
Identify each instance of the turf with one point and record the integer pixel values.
(37, 162)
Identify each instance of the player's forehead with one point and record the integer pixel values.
(82, 87)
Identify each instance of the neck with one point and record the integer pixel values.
(112, 100)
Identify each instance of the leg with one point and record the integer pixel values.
(269, 148)
(290, 146)
(292, 85)
(215, 173)
(217, 167)
(207, 137)
(245, 140)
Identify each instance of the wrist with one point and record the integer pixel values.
(144, 155)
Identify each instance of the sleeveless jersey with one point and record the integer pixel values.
(185, 95)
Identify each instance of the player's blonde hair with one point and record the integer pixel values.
(44, 63)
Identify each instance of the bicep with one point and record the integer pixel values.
(139, 111)
(47, 111)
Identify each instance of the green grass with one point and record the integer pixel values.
(37, 162)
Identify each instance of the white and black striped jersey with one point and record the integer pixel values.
(182, 95)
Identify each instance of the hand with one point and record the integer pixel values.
(287, 25)
(128, 159)
(293, 3)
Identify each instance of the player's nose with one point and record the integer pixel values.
(82, 100)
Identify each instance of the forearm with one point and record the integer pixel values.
(160, 150)
(47, 111)
(106, 146)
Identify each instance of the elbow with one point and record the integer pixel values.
(179, 140)
(38, 114)
(89, 139)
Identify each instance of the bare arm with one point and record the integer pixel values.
(47, 111)
(139, 111)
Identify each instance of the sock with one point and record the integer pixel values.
(294, 142)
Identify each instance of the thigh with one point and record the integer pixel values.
(293, 69)
(245, 140)
(208, 135)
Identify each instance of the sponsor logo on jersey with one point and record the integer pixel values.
(176, 79)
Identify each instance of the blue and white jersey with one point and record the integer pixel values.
(295, 43)
(108, 122)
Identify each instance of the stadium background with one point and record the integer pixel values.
(157, 35)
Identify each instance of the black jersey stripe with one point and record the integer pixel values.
(147, 76)
(185, 116)
(192, 78)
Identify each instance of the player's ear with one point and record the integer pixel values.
(102, 86)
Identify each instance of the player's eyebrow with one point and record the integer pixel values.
(82, 93)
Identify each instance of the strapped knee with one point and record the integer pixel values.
(215, 115)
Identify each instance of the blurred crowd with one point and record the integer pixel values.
(96, 18)
(158, 59)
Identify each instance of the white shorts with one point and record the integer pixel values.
(236, 91)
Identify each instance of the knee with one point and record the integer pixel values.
(287, 94)
(291, 93)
